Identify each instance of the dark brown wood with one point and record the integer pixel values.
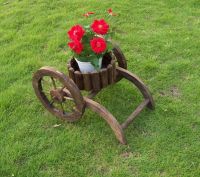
(57, 94)
(79, 80)
(87, 82)
(96, 80)
(108, 117)
(110, 74)
(135, 113)
(74, 64)
(138, 83)
(96, 85)
(104, 77)
(107, 58)
(114, 72)
(121, 60)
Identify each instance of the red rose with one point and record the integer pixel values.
(100, 26)
(76, 46)
(98, 45)
(76, 32)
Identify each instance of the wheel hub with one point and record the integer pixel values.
(57, 95)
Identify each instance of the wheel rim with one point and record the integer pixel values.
(121, 60)
(58, 94)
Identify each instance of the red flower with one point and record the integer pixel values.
(100, 26)
(98, 45)
(76, 46)
(76, 32)
(88, 14)
(110, 12)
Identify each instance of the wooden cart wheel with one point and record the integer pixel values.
(59, 94)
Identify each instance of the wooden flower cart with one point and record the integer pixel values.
(61, 95)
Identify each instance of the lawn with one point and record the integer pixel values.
(161, 41)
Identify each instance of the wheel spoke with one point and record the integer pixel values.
(46, 85)
(62, 108)
(53, 82)
(51, 102)
(67, 92)
(68, 98)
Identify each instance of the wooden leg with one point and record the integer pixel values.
(135, 113)
(138, 83)
(108, 117)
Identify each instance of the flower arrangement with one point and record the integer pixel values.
(89, 43)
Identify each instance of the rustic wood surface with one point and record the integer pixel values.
(68, 84)
(92, 82)
(79, 79)
(87, 82)
(121, 60)
(104, 77)
(110, 74)
(95, 80)
(108, 117)
(135, 113)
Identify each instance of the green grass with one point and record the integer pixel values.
(161, 41)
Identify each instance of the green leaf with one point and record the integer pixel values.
(109, 46)
(87, 26)
(95, 63)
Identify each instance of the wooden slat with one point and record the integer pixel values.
(104, 77)
(95, 81)
(114, 71)
(135, 113)
(87, 81)
(79, 79)
(110, 74)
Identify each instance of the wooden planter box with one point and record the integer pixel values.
(95, 80)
